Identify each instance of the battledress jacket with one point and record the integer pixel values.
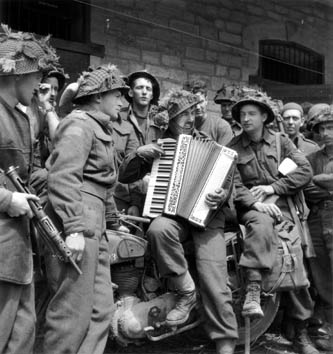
(261, 168)
(83, 161)
(15, 150)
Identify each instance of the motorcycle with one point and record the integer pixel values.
(143, 299)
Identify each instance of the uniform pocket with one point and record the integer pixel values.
(93, 210)
(248, 169)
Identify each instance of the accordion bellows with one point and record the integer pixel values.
(180, 180)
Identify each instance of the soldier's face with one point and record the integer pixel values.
(26, 85)
(326, 132)
(292, 121)
(201, 108)
(183, 123)
(251, 118)
(141, 92)
(111, 103)
(226, 109)
(53, 81)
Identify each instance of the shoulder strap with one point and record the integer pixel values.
(278, 146)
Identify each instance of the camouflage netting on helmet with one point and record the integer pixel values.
(177, 101)
(104, 78)
(247, 95)
(324, 115)
(22, 53)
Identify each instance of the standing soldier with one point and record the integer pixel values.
(226, 97)
(217, 129)
(81, 175)
(22, 60)
(319, 195)
(293, 120)
(136, 127)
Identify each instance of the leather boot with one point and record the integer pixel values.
(186, 301)
(302, 343)
(225, 346)
(251, 307)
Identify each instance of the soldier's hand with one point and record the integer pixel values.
(213, 200)
(324, 180)
(19, 204)
(261, 192)
(270, 209)
(150, 152)
(76, 243)
(133, 210)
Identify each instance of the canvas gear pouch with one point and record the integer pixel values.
(288, 272)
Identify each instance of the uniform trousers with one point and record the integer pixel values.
(78, 315)
(17, 318)
(260, 250)
(166, 236)
(321, 228)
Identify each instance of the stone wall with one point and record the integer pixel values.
(216, 40)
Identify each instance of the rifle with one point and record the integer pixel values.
(48, 231)
(299, 220)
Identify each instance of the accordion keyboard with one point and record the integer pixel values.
(159, 180)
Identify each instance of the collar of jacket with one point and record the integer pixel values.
(101, 118)
(268, 137)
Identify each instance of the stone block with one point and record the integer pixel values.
(209, 32)
(150, 57)
(184, 26)
(211, 55)
(171, 60)
(221, 70)
(234, 73)
(233, 27)
(195, 53)
(167, 73)
(230, 38)
(129, 53)
(198, 66)
(256, 10)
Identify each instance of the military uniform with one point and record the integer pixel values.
(217, 129)
(82, 171)
(17, 324)
(258, 165)
(166, 235)
(320, 220)
(134, 193)
(306, 146)
(125, 143)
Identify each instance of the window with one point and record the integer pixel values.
(64, 19)
(290, 63)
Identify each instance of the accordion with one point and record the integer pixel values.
(180, 179)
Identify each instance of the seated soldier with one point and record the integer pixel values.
(166, 235)
(257, 178)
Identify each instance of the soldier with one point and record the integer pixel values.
(23, 58)
(226, 97)
(217, 129)
(293, 120)
(82, 172)
(166, 235)
(312, 113)
(257, 179)
(136, 127)
(319, 195)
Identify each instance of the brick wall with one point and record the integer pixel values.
(216, 40)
